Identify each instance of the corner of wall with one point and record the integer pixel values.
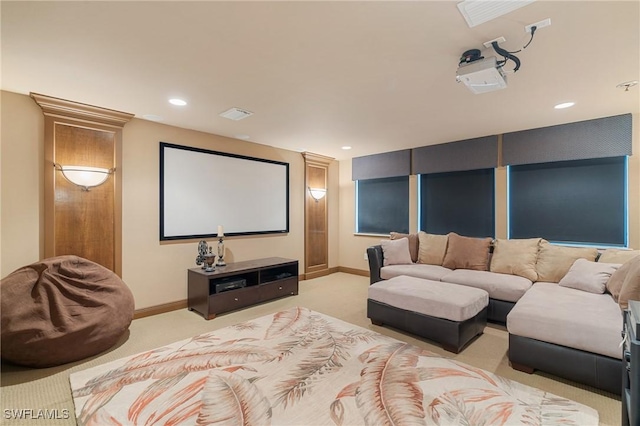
(634, 185)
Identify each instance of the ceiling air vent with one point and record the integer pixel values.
(236, 114)
(476, 12)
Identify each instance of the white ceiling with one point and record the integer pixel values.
(378, 76)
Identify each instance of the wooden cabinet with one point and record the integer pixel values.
(631, 366)
(240, 284)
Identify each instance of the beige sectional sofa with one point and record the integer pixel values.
(504, 269)
(561, 314)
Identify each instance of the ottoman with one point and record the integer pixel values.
(449, 314)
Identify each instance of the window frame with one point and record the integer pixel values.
(357, 224)
(493, 195)
(573, 243)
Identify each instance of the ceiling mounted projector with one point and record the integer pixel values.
(482, 75)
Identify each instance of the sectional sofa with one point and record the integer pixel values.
(562, 309)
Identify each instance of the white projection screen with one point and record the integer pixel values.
(202, 189)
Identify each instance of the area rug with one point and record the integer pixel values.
(300, 367)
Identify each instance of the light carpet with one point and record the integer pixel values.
(339, 295)
(301, 367)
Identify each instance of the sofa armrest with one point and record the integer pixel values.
(374, 253)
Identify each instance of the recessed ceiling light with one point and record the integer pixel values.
(243, 137)
(346, 147)
(176, 101)
(152, 117)
(564, 105)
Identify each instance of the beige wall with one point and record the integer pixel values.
(352, 247)
(21, 176)
(333, 208)
(156, 272)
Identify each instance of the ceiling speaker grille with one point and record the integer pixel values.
(236, 114)
(476, 12)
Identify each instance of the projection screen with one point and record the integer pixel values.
(201, 190)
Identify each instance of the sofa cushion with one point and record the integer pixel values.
(631, 286)
(413, 243)
(432, 248)
(589, 276)
(614, 285)
(433, 298)
(467, 253)
(516, 257)
(564, 316)
(555, 261)
(396, 252)
(509, 288)
(617, 255)
(427, 272)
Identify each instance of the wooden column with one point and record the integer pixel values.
(316, 234)
(84, 223)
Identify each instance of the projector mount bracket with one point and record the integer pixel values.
(473, 55)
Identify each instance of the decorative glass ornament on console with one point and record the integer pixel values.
(210, 259)
(220, 247)
(203, 248)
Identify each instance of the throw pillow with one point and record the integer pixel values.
(589, 276)
(631, 286)
(432, 248)
(516, 257)
(614, 285)
(467, 253)
(413, 243)
(555, 261)
(396, 252)
(617, 255)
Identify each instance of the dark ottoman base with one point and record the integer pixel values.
(452, 335)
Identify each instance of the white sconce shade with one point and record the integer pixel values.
(317, 193)
(83, 176)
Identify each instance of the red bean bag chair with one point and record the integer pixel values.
(60, 310)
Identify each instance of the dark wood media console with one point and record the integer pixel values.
(240, 284)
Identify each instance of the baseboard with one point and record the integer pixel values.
(353, 271)
(160, 309)
(318, 274)
(333, 270)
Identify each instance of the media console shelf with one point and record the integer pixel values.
(240, 284)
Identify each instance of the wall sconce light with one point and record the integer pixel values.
(317, 193)
(83, 176)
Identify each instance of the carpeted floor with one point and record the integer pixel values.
(339, 295)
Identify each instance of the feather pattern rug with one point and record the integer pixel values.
(300, 367)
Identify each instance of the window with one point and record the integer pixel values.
(579, 201)
(460, 202)
(382, 205)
